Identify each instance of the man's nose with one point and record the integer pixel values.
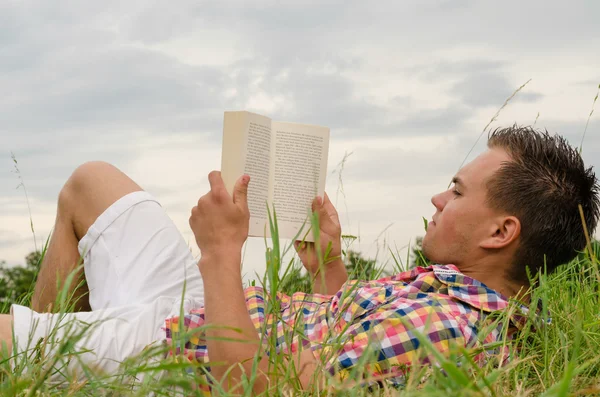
(438, 201)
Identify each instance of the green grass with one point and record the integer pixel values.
(559, 358)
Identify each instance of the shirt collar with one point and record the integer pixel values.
(478, 295)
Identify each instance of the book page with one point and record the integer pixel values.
(298, 172)
(257, 165)
(247, 150)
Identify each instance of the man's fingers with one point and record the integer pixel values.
(316, 204)
(301, 245)
(326, 211)
(304, 248)
(319, 206)
(240, 192)
(330, 209)
(215, 180)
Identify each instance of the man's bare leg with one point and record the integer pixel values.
(91, 189)
(6, 333)
(61, 258)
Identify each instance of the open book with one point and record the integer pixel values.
(287, 164)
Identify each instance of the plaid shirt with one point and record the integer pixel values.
(369, 323)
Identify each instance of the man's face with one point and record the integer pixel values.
(462, 218)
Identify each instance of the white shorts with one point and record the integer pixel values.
(137, 266)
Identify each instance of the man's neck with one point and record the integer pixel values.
(496, 277)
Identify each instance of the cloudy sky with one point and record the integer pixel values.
(405, 86)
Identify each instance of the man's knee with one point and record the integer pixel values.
(77, 182)
(90, 174)
(90, 190)
(82, 180)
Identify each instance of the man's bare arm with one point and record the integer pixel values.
(220, 224)
(232, 340)
(330, 279)
(328, 272)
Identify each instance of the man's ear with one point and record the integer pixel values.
(503, 232)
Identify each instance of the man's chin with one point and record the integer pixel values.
(426, 241)
(425, 247)
(429, 251)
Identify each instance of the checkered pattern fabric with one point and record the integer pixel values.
(371, 325)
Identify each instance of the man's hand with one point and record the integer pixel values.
(220, 222)
(330, 244)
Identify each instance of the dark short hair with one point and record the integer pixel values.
(543, 186)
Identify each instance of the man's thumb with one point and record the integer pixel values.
(240, 191)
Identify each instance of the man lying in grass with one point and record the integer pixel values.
(514, 207)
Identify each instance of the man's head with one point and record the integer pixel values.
(517, 202)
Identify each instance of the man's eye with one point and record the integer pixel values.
(453, 189)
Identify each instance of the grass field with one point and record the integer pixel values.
(560, 357)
